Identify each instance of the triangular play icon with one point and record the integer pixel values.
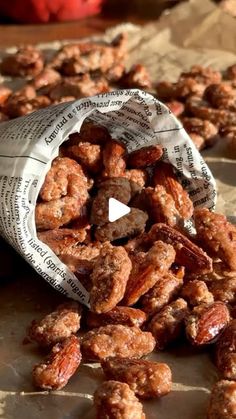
(116, 209)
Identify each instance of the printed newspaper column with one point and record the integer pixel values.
(29, 144)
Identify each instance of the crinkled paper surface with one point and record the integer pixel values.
(194, 32)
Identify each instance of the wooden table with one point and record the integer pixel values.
(20, 34)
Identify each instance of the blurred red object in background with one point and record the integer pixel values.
(43, 11)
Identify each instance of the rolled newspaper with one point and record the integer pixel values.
(29, 144)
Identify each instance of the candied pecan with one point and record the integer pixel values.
(60, 239)
(59, 366)
(114, 159)
(5, 92)
(148, 271)
(81, 258)
(87, 154)
(224, 289)
(59, 212)
(27, 61)
(204, 128)
(176, 107)
(196, 292)
(164, 175)
(205, 75)
(129, 225)
(216, 235)
(205, 322)
(117, 401)
(15, 108)
(136, 77)
(226, 352)
(220, 271)
(222, 404)
(65, 177)
(188, 254)
(165, 290)
(144, 156)
(221, 96)
(47, 77)
(189, 86)
(202, 110)
(146, 378)
(89, 133)
(166, 326)
(118, 188)
(58, 325)
(109, 277)
(118, 315)
(137, 178)
(78, 87)
(161, 206)
(116, 340)
(19, 102)
(89, 56)
(231, 72)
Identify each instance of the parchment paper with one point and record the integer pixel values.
(202, 34)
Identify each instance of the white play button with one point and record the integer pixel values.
(116, 209)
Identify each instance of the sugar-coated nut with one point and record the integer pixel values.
(222, 404)
(136, 77)
(226, 352)
(58, 325)
(147, 270)
(166, 326)
(216, 235)
(115, 400)
(164, 175)
(165, 290)
(161, 206)
(109, 278)
(147, 379)
(205, 322)
(188, 254)
(59, 366)
(224, 289)
(60, 239)
(87, 154)
(196, 292)
(144, 156)
(114, 159)
(116, 340)
(27, 61)
(127, 316)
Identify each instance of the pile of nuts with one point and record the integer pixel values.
(150, 283)
(205, 102)
(74, 72)
(203, 99)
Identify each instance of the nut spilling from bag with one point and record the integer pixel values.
(149, 281)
